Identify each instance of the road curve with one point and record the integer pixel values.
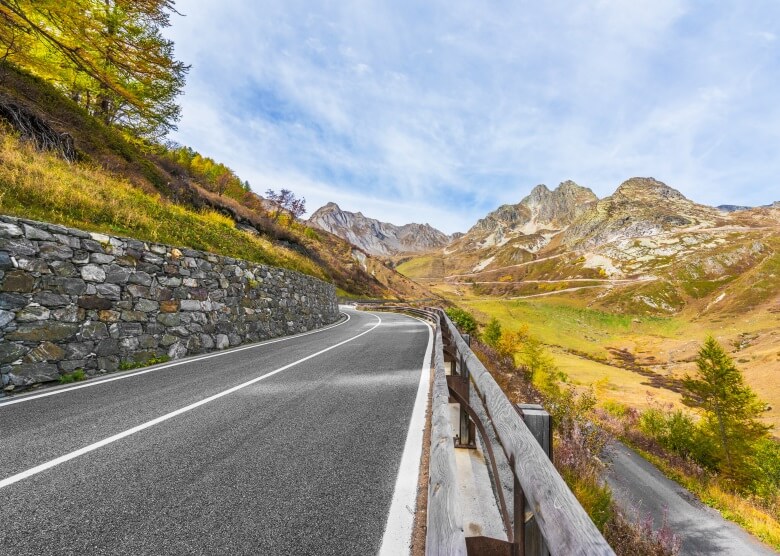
(637, 484)
(285, 447)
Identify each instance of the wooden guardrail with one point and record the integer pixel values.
(559, 525)
(563, 523)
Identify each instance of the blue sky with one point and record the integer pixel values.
(440, 111)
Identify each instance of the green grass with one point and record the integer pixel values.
(41, 186)
(75, 376)
(128, 365)
(562, 323)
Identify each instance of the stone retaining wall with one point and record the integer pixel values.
(74, 300)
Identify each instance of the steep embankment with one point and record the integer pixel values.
(118, 185)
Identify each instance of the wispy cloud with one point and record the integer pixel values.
(440, 111)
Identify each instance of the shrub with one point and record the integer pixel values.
(462, 319)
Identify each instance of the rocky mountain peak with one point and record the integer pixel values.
(646, 189)
(375, 237)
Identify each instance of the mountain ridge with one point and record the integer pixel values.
(374, 236)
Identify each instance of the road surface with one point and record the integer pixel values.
(291, 446)
(636, 483)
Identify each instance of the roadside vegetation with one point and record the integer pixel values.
(577, 442)
(714, 443)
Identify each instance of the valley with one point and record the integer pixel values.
(623, 290)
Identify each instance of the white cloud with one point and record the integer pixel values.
(439, 111)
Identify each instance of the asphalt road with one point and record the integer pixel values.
(303, 461)
(638, 484)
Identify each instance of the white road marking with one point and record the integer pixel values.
(86, 449)
(178, 362)
(397, 539)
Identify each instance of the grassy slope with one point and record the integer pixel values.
(580, 337)
(119, 187)
(43, 187)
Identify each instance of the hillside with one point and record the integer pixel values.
(628, 289)
(375, 237)
(131, 188)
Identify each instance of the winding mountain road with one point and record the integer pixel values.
(291, 446)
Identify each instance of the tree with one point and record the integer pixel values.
(492, 333)
(107, 55)
(539, 363)
(286, 201)
(730, 410)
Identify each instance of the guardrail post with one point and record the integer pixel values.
(539, 423)
(467, 430)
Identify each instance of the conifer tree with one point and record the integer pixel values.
(107, 55)
(492, 333)
(730, 409)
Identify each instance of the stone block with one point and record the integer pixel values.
(55, 251)
(116, 274)
(94, 331)
(190, 305)
(169, 319)
(48, 299)
(222, 341)
(109, 346)
(109, 315)
(128, 344)
(5, 261)
(18, 281)
(94, 302)
(127, 329)
(71, 313)
(10, 230)
(177, 351)
(46, 351)
(147, 341)
(37, 332)
(133, 316)
(33, 313)
(37, 266)
(138, 291)
(6, 317)
(109, 364)
(147, 306)
(171, 306)
(33, 373)
(93, 273)
(12, 301)
(79, 350)
(10, 352)
(19, 247)
(101, 258)
(109, 291)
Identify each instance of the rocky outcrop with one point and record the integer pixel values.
(76, 300)
(375, 237)
(640, 207)
(540, 214)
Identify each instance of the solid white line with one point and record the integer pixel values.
(397, 539)
(86, 449)
(178, 362)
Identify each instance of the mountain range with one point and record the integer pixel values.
(375, 237)
(645, 248)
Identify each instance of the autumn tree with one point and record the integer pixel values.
(107, 55)
(730, 409)
(286, 201)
